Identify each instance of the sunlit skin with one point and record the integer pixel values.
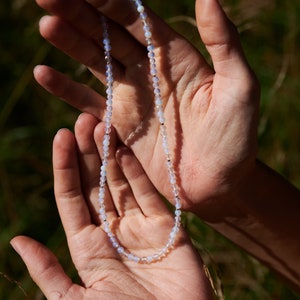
(211, 115)
(211, 112)
(140, 219)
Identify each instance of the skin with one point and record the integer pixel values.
(190, 88)
(104, 274)
(211, 118)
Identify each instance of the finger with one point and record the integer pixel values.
(120, 191)
(128, 18)
(221, 39)
(143, 190)
(76, 94)
(43, 267)
(75, 44)
(86, 19)
(70, 200)
(71, 10)
(89, 162)
(170, 47)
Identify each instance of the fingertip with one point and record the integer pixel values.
(44, 20)
(24, 245)
(63, 135)
(127, 160)
(84, 134)
(51, 80)
(37, 70)
(53, 29)
(14, 242)
(221, 39)
(64, 149)
(121, 153)
(62, 138)
(212, 20)
(40, 73)
(85, 121)
(44, 23)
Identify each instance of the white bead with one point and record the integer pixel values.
(158, 102)
(130, 257)
(106, 141)
(177, 212)
(120, 250)
(140, 8)
(143, 16)
(157, 91)
(153, 72)
(150, 48)
(149, 259)
(148, 34)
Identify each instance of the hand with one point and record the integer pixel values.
(211, 114)
(136, 208)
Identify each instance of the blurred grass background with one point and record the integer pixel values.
(29, 118)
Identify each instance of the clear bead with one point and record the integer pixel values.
(106, 140)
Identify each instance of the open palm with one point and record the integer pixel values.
(211, 113)
(141, 220)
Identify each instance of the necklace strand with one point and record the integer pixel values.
(163, 132)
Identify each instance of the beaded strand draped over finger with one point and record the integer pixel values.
(161, 253)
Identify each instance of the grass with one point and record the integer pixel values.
(29, 118)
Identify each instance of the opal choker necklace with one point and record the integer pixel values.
(161, 253)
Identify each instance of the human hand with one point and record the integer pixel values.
(142, 225)
(211, 113)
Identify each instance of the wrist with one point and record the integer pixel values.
(227, 198)
(261, 215)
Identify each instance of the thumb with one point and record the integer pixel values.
(221, 39)
(43, 267)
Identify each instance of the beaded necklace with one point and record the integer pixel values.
(163, 132)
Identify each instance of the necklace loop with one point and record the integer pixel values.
(163, 132)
